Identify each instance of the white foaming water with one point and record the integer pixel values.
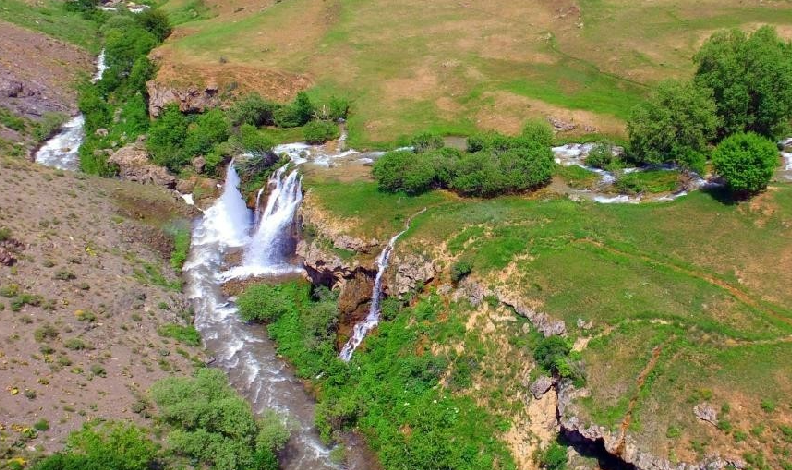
(361, 329)
(272, 245)
(242, 350)
(62, 150)
(575, 154)
(227, 222)
(256, 215)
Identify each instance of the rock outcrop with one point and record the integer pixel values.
(133, 164)
(411, 270)
(191, 99)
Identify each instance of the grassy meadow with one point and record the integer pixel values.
(702, 282)
(49, 17)
(456, 67)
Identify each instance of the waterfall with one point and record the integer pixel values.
(62, 150)
(270, 249)
(227, 222)
(256, 212)
(243, 350)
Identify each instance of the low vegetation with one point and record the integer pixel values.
(445, 430)
(493, 165)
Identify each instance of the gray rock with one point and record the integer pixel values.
(133, 165)
(199, 164)
(102, 132)
(411, 270)
(705, 412)
(541, 386)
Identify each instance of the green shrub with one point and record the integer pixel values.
(295, 114)
(41, 425)
(768, 406)
(460, 270)
(166, 136)
(601, 156)
(254, 110)
(184, 334)
(319, 132)
(550, 351)
(75, 344)
(214, 425)
(539, 132)
(426, 141)
(554, 457)
(746, 161)
(267, 303)
(156, 22)
(45, 332)
(118, 446)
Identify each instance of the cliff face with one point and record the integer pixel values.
(190, 99)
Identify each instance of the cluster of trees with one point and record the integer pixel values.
(208, 426)
(493, 164)
(118, 102)
(176, 138)
(739, 99)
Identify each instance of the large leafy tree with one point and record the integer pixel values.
(678, 119)
(746, 161)
(751, 80)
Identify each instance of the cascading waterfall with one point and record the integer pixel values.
(242, 350)
(272, 245)
(256, 215)
(62, 150)
(361, 329)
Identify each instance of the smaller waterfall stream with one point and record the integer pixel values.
(361, 329)
(62, 150)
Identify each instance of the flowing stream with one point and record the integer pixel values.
(62, 150)
(361, 329)
(243, 350)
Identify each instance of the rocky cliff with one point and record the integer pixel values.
(190, 99)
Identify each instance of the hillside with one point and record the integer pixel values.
(453, 66)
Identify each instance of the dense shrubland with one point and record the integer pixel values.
(743, 84)
(493, 164)
(390, 386)
(118, 102)
(204, 422)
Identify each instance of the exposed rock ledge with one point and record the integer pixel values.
(191, 99)
(614, 443)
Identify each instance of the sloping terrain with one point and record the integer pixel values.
(85, 294)
(454, 66)
(672, 307)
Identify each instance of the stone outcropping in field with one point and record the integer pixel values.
(190, 99)
(134, 165)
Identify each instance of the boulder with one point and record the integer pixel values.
(541, 386)
(411, 270)
(134, 165)
(190, 99)
(199, 164)
(706, 412)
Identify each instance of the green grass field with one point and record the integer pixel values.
(51, 18)
(455, 67)
(704, 281)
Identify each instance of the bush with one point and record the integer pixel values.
(319, 132)
(214, 425)
(426, 141)
(554, 457)
(460, 270)
(404, 171)
(746, 161)
(166, 136)
(209, 129)
(96, 447)
(751, 79)
(156, 22)
(249, 139)
(254, 110)
(41, 425)
(264, 302)
(184, 334)
(539, 132)
(677, 118)
(601, 156)
(550, 351)
(296, 114)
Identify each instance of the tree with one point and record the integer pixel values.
(156, 22)
(677, 118)
(319, 132)
(254, 110)
(746, 161)
(209, 129)
(165, 137)
(751, 80)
